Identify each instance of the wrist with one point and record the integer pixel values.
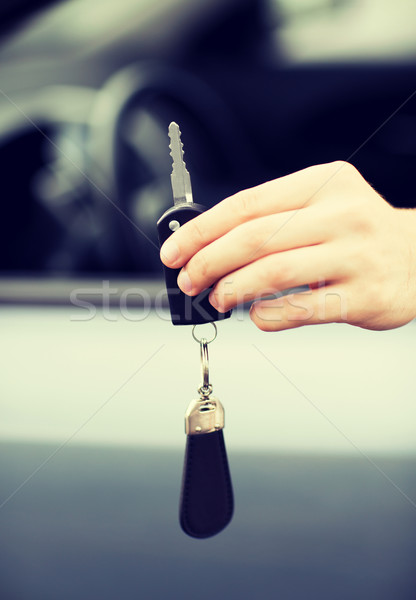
(407, 218)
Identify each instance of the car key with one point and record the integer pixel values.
(207, 501)
(184, 309)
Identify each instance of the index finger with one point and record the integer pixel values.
(290, 192)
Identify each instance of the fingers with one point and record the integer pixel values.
(322, 305)
(250, 241)
(277, 272)
(288, 193)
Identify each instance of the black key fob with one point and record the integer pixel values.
(185, 310)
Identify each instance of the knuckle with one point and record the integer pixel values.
(299, 312)
(196, 233)
(344, 169)
(352, 214)
(261, 321)
(254, 236)
(278, 273)
(198, 268)
(245, 203)
(339, 165)
(340, 175)
(359, 216)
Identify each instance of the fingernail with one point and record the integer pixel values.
(184, 282)
(213, 299)
(169, 253)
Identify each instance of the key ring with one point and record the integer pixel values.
(206, 387)
(207, 341)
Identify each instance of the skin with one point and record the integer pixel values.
(324, 227)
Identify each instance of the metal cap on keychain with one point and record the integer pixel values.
(207, 501)
(206, 414)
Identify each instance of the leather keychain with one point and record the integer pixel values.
(206, 504)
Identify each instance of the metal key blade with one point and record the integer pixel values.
(180, 178)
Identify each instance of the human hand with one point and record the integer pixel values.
(325, 227)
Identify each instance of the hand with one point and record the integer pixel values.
(324, 227)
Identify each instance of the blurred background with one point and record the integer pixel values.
(320, 422)
(261, 88)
